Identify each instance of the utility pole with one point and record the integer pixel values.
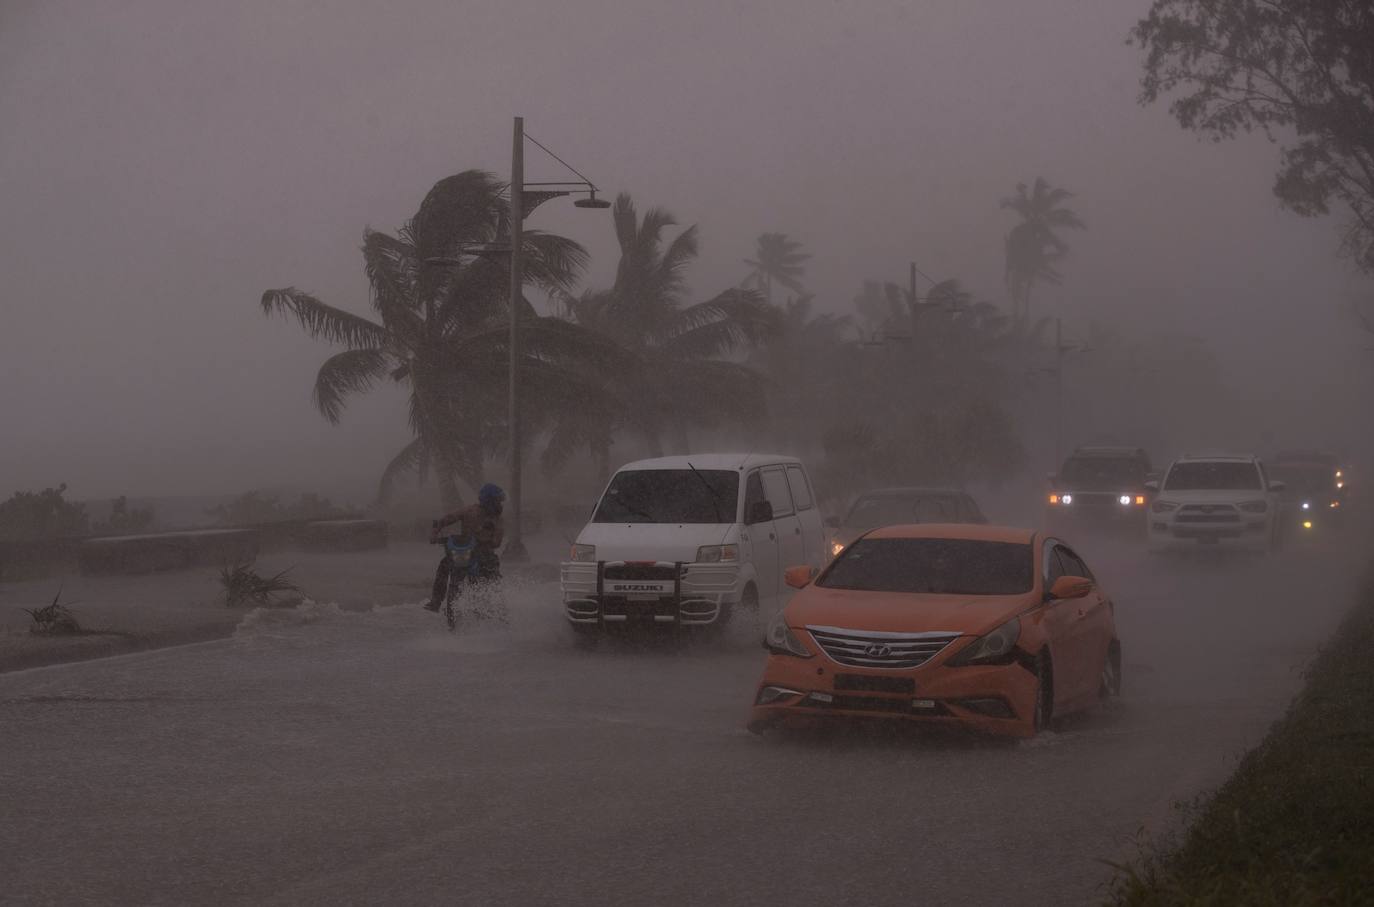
(515, 545)
(915, 306)
(1058, 391)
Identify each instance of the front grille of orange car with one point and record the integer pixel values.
(872, 649)
(872, 683)
(873, 704)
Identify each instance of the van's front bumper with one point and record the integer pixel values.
(649, 592)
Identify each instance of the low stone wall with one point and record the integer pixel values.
(344, 535)
(164, 551)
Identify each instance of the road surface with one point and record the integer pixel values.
(330, 757)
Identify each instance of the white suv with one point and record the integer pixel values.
(1223, 501)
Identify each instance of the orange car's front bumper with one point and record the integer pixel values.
(996, 699)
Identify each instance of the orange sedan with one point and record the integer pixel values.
(992, 628)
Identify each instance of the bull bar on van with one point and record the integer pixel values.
(648, 592)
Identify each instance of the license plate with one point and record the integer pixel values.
(639, 590)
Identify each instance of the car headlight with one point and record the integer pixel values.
(1066, 499)
(991, 647)
(1306, 505)
(1259, 506)
(714, 554)
(836, 546)
(583, 554)
(779, 638)
(1163, 506)
(1124, 500)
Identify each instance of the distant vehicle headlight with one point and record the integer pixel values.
(1306, 505)
(779, 638)
(1066, 499)
(1163, 506)
(583, 554)
(836, 546)
(1259, 506)
(991, 647)
(714, 554)
(1124, 500)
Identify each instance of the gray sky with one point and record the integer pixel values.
(162, 163)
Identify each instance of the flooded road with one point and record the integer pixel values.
(324, 756)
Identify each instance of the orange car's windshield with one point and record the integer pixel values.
(941, 566)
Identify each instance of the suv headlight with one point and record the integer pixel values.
(992, 647)
(779, 638)
(714, 554)
(1257, 506)
(583, 554)
(1163, 506)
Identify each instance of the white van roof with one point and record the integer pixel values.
(739, 461)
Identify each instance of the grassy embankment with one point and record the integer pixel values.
(1295, 824)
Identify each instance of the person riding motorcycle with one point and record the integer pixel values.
(480, 522)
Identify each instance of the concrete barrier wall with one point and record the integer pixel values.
(164, 551)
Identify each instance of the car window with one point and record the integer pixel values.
(1053, 568)
(1200, 475)
(775, 486)
(1072, 564)
(753, 493)
(933, 510)
(669, 496)
(933, 565)
(801, 489)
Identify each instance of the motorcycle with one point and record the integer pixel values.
(479, 573)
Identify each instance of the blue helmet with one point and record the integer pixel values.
(490, 494)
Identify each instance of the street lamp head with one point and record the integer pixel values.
(591, 201)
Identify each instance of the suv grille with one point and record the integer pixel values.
(1207, 513)
(872, 649)
(639, 572)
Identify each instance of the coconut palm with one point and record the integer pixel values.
(681, 376)
(1033, 248)
(777, 259)
(440, 328)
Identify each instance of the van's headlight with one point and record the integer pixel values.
(714, 554)
(583, 554)
(779, 638)
(991, 647)
(1163, 506)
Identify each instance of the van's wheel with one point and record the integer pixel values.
(1044, 693)
(1111, 673)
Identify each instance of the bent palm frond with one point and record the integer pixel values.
(349, 372)
(325, 321)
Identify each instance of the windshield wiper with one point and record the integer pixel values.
(715, 499)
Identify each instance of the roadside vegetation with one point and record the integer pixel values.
(53, 619)
(244, 586)
(1295, 824)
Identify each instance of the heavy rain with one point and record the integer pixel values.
(885, 452)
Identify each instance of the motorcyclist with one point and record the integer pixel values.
(480, 522)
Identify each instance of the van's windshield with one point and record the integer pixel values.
(670, 496)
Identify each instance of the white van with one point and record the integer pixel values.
(684, 540)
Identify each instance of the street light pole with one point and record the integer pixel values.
(1058, 391)
(515, 544)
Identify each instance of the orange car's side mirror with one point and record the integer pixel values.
(1071, 587)
(798, 577)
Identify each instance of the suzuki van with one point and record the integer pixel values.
(684, 541)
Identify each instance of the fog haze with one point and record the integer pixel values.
(161, 164)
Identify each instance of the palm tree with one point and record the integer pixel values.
(1033, 248)
(680, 377)
(777, 258)
(441, 329)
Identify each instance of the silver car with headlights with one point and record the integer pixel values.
(1216, 501)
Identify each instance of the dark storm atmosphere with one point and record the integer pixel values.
(922, 454)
